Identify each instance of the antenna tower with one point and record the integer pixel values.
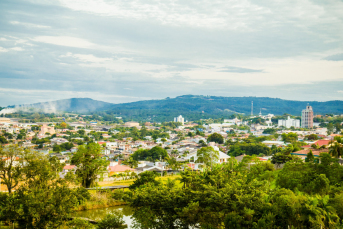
(252, 108)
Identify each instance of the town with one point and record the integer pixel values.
(169, 147)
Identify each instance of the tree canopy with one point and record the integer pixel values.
(89, 163)
(215, 137)
(153, 154)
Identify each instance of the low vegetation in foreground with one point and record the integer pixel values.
(248, 194)
(301, 195)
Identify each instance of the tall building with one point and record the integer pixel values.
(289, 122)
(307, 117)
(179, 119)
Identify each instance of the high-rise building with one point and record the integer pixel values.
(307, 117)
(179, 119)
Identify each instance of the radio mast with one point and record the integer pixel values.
(252, 108)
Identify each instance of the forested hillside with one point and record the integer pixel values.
(196, 107)
(192, 107)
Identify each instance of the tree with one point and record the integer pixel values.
(249, 149)
(309, 157)
(144, 178)
(56, 148)
(89, 163)
(336, 148)
(314, 146)
(153, 154)
(290, 137)
(11, 166)
(338, 127)
(174, 164)
(330, 128)
(215, 137)
(44, 200)
(131, 162)
(208, 156)
(81, 132)
(269, 131)
(281, 158)
(202, 143)
(63, 125)
(312, 137)
(3, 140)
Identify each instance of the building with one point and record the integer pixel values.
(289, 122)
(307, 117)
(179, 119)
(5, 120)
(47, 129)
(131, 124)
(234, 121)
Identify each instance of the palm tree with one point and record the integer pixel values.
(208, 156)
(336, 148)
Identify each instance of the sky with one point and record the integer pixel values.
(128, 50)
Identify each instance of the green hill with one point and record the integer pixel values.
(195, 107)
(192, 107)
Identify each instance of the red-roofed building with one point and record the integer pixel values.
(322, 142)
(67, 168)
(319, 143)
(119, 169)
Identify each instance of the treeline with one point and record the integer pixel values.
(301, 195)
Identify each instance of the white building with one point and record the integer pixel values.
(193, 157)
(234, 121)
(289, 122)
(179, 119)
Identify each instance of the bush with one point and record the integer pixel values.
(80, 224)
(112, 221)
(82, 194)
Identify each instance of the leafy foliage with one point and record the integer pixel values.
(152, 155)
(215, 137)
(145, 178)
(231, 196)
(89, 163)
(249, 149)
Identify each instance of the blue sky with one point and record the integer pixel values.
(121, 51)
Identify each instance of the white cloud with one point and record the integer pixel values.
(64, 41)
(30, 25)
(17, 49)
(242, 15)
(3, 49)
(127, 65)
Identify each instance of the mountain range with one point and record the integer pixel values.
(190, 106)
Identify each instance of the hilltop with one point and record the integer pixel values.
(191, 106)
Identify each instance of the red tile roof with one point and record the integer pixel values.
(120, 168)
(322, 142)
(67, 167)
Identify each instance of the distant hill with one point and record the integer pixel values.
(192, 107)
(195, 107)
(79, 105)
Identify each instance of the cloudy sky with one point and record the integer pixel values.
(128, 50)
